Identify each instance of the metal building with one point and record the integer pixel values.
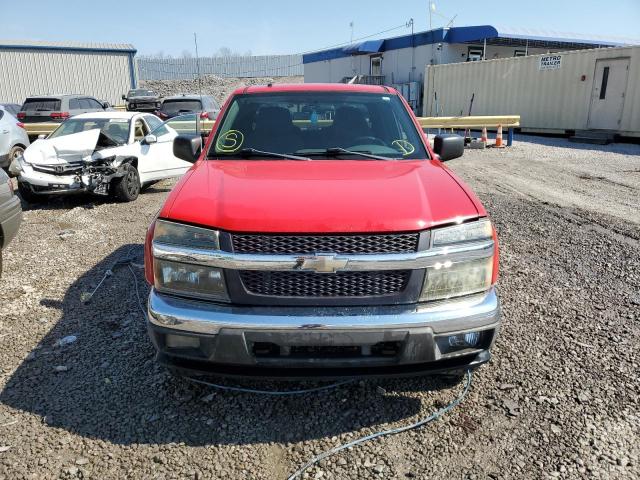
(401, 61)
(564, 92)
(103, 70)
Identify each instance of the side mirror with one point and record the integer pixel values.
(448, 146)
(42, 136)
(124, 97)
(187, 147)
(106, 105)
(149, 139)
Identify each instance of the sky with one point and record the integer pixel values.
(286, 27)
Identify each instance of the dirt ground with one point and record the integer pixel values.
(560, 398)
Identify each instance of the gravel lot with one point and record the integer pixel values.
(559, 399)
(219, 87)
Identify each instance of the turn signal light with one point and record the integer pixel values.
(59, 115)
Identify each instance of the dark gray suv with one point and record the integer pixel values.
(57, 108)
(205, 105)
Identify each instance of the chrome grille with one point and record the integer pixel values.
(59, 169)
(308, 284)
(301, 244)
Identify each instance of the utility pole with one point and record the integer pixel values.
(198, 120)
(413, 52)
(195, 40)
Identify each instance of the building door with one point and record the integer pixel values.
(376, 66)
(607, 97)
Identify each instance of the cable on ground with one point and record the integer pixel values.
(392, 431)
(269, 392)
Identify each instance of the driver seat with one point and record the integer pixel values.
(349, 123)
(117, 132)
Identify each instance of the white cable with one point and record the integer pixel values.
(391, 431)
(135, 283)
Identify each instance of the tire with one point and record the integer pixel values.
(27, 194)
(14, 153)
(127, 187)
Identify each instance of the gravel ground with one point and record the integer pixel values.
(559, 399)
(219, 87)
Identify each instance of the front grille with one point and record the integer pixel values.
(301, 244)
(59, 169)
(309, 284)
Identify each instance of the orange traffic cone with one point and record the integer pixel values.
(499, 138)
(483, 138)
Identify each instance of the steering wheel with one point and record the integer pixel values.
(368, 140)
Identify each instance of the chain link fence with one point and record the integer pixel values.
(232, 66)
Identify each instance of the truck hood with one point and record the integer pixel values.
(319, 196)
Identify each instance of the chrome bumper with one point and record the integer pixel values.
(227, 333)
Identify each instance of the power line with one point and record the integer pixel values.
(259, 70)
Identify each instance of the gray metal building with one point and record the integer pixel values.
(103, 70)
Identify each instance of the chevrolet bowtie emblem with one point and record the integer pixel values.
(323, 263)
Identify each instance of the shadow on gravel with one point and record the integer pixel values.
(107, 385)
(65, 202)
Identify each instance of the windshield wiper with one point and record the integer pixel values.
(362, 153)
(249, 152)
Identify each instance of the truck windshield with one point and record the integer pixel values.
(335, 125)
(140, 93)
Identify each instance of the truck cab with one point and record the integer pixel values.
(318, 234)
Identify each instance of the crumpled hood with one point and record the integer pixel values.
(319, 196)
(68, 148)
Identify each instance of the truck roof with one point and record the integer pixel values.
(314, 87)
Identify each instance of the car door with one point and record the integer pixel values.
(161, 151)
(156, 159)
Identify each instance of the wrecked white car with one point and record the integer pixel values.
(110, 153)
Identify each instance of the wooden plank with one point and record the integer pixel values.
(507, 121)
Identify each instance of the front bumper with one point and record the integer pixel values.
(303, 342)
(45, 183)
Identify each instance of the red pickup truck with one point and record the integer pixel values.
(319, 234)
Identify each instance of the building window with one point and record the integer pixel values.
(520, 53)
(376, 66)
(474, 54)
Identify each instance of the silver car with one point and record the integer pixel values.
(13, 138)
(10, 213)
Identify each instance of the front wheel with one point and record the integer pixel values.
(14, 153)
(127, 187)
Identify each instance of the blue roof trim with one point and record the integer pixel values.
(69, 49)
(422, 38)
(477, 33)
(470, 34)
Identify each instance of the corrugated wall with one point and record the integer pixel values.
(546, 100)
(26, 72)
(233, 66)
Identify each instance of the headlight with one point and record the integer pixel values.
(186, 235)
(466, 232)
(446, 280)
(182, 278)
(191, 280)
(449, 279)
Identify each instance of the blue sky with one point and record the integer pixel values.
(273, 26)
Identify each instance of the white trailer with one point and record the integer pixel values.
(562, 92)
